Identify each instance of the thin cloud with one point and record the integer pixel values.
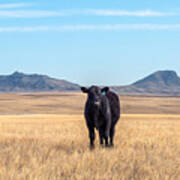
(144, 13)
(87, 12)
(14, 5)
(30, 14)
(116, 27)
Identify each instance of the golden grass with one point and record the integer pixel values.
(56, 146)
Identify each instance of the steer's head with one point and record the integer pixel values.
(94, 95)
(95, 101)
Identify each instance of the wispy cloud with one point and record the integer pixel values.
(14, 5)
(86, 12)
(144, 13)
(116, 27)
(30, 14)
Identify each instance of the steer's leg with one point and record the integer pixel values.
(101, 136)
(112, 130)
(106, 140)
(106, 135)
(91, 136)
(107, 130)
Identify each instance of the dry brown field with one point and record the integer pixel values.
(43, 136)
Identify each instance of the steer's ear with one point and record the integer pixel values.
(105, 89)
(84, 89)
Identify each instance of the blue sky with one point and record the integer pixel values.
(90, 42)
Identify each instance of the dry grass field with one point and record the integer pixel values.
(44, 136)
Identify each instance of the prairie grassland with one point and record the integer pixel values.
(73, 103)
(56, 146)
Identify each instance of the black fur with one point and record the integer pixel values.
(101, 112)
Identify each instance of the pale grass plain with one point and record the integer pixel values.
(43, 136)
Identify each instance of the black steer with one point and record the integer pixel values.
(102, 111)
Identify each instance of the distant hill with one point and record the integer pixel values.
(20, 82)
(158, 83)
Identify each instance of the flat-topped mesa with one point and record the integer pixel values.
(159, 83)
(160, 79)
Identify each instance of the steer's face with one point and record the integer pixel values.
(94, 103)
(94, 95)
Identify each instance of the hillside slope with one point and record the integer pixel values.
(159, 83)
(19, 82)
